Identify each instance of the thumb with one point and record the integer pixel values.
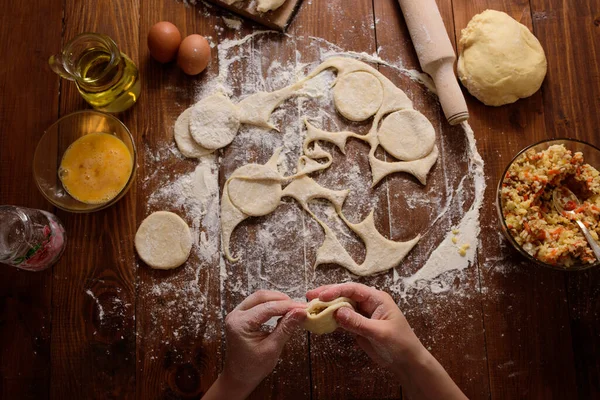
(355, 323)
(287, 326)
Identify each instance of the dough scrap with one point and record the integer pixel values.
(320, 314)
(183, 138)
(256, 190)
(163, 240)
(407, 135)
(381, 254)
(358, 95)
(232, 216)
(418, 168)
(500, 60)
(214, 121)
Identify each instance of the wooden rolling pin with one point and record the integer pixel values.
(436, 55)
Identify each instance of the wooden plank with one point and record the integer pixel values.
(525, 309)
(179, 326)
(573, 83)
(93, 335)
(277, 19)
(28, 105)
(280, 265)
(457, 342)
(339, 368)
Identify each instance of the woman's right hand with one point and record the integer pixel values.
(385, 335)
(381, 328)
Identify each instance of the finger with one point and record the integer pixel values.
(259, 297)
(314, 293)
(286, 327)
(258, 315)
(353, 322)
(368, 298)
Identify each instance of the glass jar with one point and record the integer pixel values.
(30, 239)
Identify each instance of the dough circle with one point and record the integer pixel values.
(407, 135)
(183, 138)
(358, 95)
(214, 121)
(500, 60)
(163, 240)
(255, 197)
(319, 314)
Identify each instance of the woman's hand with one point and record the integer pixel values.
(385, 335)
(381, 328)
(253, 351)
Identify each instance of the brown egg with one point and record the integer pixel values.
(194, 54)
(163, 41)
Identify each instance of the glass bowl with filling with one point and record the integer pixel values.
(85, 161)
(524, 200)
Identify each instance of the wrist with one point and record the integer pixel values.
(413, 357)
(229, 387)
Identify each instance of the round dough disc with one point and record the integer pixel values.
(500, 60)
(358, 95)
(163, 240)
(407, 135)
(185, 143)
(214, 121)
(256, 197)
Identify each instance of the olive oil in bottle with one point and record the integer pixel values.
(106, 78)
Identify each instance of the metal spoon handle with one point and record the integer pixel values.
(593, 244)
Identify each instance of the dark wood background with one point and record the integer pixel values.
(519, 332)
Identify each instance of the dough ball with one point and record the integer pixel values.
(185, 143)
(500, 60)
(358, 95)
(163, 240)
(214, 121)
(319, 314)
(407, 135)
(256, 197)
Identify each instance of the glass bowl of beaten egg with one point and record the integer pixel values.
(85, 161)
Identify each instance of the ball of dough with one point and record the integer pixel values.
(407, 135)
(214, 121)
(255, 197)
(185, 143)
(500, 60)
(163, 240)
(319, 314)
(358, 95)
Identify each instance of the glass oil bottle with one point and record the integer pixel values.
(106, 78)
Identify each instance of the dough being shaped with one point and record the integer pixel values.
(163, 240)
(185, 143)
(269, 5)
(407, 135)
(500, 60)
(254, 197)
(320, 314)
(214, 121)
(358, 95)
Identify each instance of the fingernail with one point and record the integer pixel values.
(343, 313)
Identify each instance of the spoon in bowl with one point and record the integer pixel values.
(565, 201)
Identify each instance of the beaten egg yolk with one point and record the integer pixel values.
(95, 168)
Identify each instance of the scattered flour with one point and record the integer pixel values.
(100, 308)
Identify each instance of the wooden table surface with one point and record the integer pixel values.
(93, 326)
